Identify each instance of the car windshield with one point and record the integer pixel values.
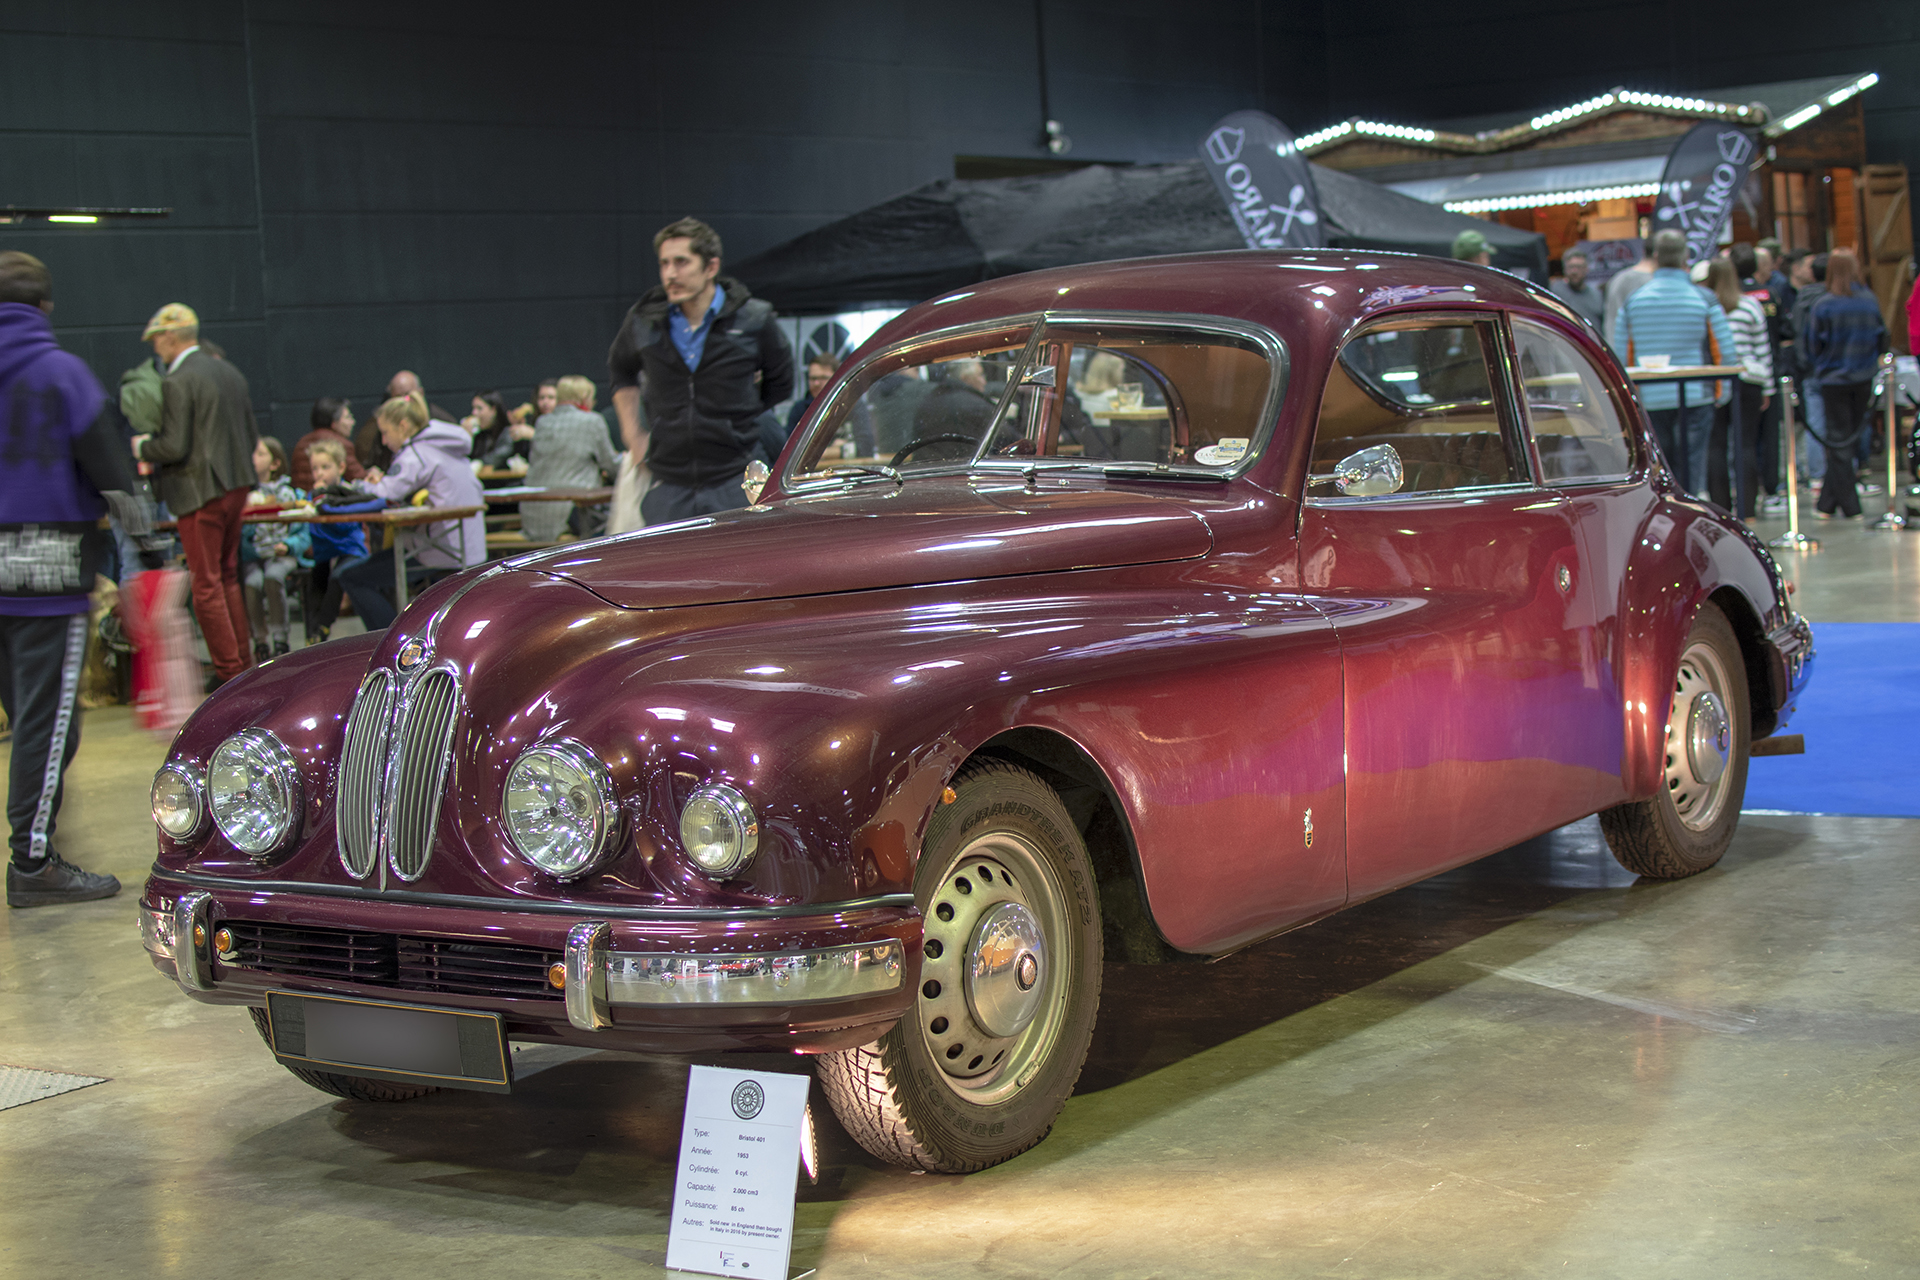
(1127, 396)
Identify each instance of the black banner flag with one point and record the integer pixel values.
(1266, 183)
(1704, 175)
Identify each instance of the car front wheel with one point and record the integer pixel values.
(979, 1069)
(1687, 827)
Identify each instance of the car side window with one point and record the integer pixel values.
(1575, 423)
(1426, 388)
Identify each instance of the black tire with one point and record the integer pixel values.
(352, 1088)
(1688, 826)
(978, 1071)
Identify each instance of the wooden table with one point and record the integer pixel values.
(1682, 375)
(536, 493)
(392, 517)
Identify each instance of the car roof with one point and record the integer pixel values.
(1290, 291)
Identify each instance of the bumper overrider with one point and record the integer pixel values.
(808, 978)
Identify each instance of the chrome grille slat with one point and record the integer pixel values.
(363, 768)
(423, 744)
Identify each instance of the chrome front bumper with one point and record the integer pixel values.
(599, 978)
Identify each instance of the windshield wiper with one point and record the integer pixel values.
(1158, 471)
(876, 469)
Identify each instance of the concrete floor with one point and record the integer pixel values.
(1530, 1066)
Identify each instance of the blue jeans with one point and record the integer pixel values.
(1684, 444)
(1813, 408)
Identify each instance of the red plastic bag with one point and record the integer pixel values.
(166, 672)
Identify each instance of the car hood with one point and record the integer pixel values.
(926, 532)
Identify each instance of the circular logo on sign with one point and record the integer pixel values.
(748, 1098)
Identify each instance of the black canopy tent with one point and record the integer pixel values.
(957, 232)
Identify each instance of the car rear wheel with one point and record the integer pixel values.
(1686, 828)
(978, 1071)
(353, 1088)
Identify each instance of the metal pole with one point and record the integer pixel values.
(1893, 521)
(1792, 539)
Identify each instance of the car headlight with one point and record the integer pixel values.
(253, 788)
(177, 807)
(719, 829)
(559, 808)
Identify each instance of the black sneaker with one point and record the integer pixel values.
(281, 649)
(55, 882)
(260, 651)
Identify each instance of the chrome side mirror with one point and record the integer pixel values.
(1370, 472)
(755, 480)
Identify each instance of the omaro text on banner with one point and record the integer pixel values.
(1265, 181)
(1704, 175)
(739, 1171)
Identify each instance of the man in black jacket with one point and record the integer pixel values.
(695, 364)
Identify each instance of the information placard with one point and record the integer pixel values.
(739, 1171)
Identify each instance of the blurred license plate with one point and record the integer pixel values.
(390, 1041)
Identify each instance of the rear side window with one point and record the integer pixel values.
(1575, 424)
(1425, 387)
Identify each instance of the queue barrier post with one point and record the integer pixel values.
(1893, 521)
(1792, 539)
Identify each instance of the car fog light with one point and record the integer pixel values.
(559, 808)
(719, 830)
(177, 809)
(253, 789)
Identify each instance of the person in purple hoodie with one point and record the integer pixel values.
(64, 466)
(431, 456)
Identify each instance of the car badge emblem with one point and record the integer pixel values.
(412, 654)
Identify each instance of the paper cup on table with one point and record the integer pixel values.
(1655, 362)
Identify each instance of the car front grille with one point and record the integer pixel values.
(436, 965)
(363, 773)
(393, 771)
(422, 747)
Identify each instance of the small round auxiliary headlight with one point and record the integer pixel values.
(176, 801)
(559, 808)
(719, 830)
(253, 788)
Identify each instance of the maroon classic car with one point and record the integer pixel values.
(1190, 599)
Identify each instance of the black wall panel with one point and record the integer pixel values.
(470, 190)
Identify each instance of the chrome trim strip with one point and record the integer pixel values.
(789, 977)
(587, 975)
(192, 965)
(576, 909)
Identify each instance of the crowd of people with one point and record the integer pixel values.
(1797, 324)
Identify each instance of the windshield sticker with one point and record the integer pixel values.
(1230, 449)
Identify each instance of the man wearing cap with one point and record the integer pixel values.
(1471, 246)
(204, 450)
(66, 466)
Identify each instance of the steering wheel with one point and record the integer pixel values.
(923, 441)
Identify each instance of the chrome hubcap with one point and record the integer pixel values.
(1003, 970)
(1709, 735)
(1699, 738)
(990, 1002)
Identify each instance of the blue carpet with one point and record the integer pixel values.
(1861, 718)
